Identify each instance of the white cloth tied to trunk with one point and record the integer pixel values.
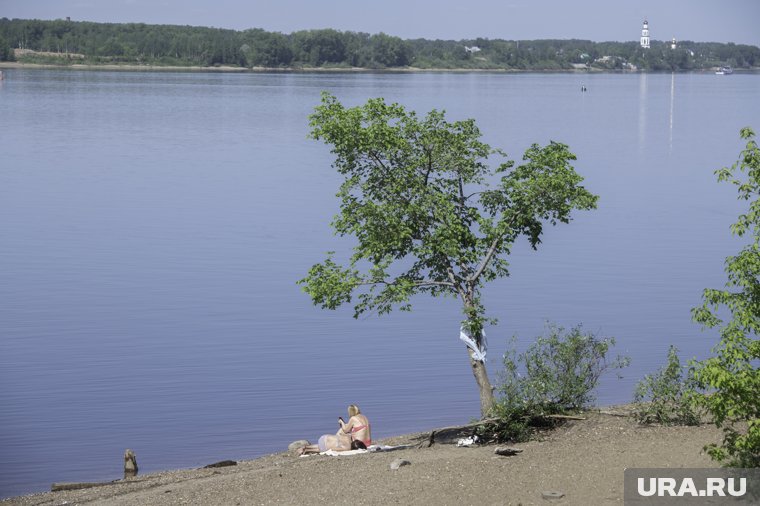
(478, 352)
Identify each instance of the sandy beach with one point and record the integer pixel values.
(582, 461)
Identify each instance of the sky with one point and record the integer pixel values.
(598, 20)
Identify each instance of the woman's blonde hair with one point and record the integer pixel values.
(353, 410)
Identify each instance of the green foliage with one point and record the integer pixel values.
(192, 45)
(663, 397)
(561, 371)
(417, 196)
(429, 215)
(265, 49)
(6, 52)
(731, 377)
(387, 51)
(512, 423)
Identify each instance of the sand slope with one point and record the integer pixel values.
(584, 460)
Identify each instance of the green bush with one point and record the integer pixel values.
(663, 397)
(514, 423)
(561, 372)
(731, 377)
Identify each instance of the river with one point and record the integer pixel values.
(153, 226)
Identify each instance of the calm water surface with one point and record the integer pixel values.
(153, 226)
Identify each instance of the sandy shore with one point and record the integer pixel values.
(583, 460)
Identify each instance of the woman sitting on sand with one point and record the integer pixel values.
(352, 435)
(357, 426)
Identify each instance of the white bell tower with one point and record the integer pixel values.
(645, 35)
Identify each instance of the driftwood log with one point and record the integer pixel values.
(130, 471)
(57, 487)
(222, 463)
(565, 417)
(450, 435)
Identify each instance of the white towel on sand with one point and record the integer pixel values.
(371, 449)
(333, 453)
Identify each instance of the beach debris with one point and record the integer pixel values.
(565, 417)
(295, 445)
(505, 451)
(388, 448)
(57, 487)
(221, 463)
(452, 435)
(130, 464)
(468, 441)
(399, 463)
(552, 495)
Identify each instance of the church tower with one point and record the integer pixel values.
(645, 35)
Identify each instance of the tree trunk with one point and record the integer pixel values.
(484, 385)
(478, 368)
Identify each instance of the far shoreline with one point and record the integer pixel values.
(340, 70)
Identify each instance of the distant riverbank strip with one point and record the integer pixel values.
(73, 43)
(325, 70)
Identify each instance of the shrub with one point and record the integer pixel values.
(663, 397)
(561, 372)
(731, 377)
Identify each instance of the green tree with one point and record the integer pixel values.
(388, 51)
(6, 53)
(429, 215)
(731, 377)
(267, 49)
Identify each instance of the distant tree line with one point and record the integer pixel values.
(190, 45)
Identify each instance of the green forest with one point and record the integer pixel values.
(66, 42)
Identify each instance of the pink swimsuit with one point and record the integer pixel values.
(357, 428)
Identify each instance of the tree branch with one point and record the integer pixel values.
(426, 282)
(489, 254)
(486, 259)
(422, 282)
(377, 160)
(429, 167)
(473, 194)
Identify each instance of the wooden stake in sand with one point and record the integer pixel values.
(130, 464)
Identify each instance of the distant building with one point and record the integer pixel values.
(645, 35)
(673, 44)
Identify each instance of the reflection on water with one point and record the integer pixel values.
(672, 101)
(642, 110)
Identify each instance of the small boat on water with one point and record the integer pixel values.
(724, 71)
